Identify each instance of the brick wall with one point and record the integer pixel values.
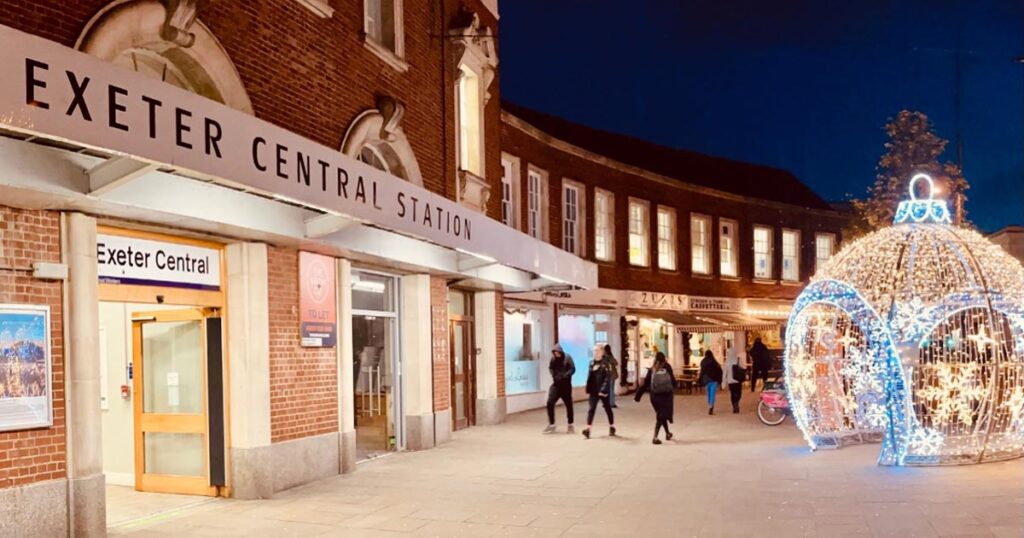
(29, 236)
(619, 274)
(303, 381)
(499, 329)
(439, 343)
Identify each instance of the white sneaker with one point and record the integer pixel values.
(550, 429)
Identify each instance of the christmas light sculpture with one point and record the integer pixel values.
(912, 336)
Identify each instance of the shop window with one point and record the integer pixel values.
(536, 183)
(727, 245)
(762, 252)
(604, 230)
(791, 255)
(572, 222)
(509, 190)
(524, 350)
(700, 244)
(667, 238)
(824, 248)
(639, 224)
(578, 335)
(382, 22)
(470, 145)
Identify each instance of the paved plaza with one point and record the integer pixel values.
(724, 475)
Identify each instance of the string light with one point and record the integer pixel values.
(912, 336)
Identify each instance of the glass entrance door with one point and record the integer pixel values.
(171, 408)
(463, 387)
(377, 364)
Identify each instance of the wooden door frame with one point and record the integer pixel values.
(469, 368)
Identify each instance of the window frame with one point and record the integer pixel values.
(464, 156)
(608, 216)
(770, 253)
(579, 235)
(670, 241)
(395, 58)
(646, 233)
(705, 247)
(795, 233)
(538, 230)
(513, 184)
(832, 248)
(733, 250)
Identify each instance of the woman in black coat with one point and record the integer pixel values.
(711, 376)
(662, 389)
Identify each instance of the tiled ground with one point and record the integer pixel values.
(725, 475)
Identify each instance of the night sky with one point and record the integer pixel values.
(802, 85)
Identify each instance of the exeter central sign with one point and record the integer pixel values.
(132, 260)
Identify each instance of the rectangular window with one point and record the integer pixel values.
(639, 232)
(762, 252)
(727, 246)
(700, 244)
(509, 190)
(667, 238)
(571, 221)
(604, 230)
(824, 248)
(534, 209)
(470, 113)
(382, 22)
(791, 255)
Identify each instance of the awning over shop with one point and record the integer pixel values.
(700, 322)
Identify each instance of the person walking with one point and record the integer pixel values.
(735, 372)
(599, 386)
(711, 376)
(661, 383)
(562, 368)
(613, 369)
(762, 361)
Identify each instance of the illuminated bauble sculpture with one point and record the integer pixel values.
(912, 336)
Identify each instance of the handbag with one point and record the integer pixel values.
(738, 374)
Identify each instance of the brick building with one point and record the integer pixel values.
(694, 252)
(246, 244)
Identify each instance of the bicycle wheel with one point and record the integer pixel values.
(770, 416)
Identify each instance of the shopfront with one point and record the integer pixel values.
(376, 363)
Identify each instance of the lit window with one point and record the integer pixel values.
(824, 248)
(470, 112)
(700, 244)
(572, 225)
(791, 255)
(382, 24)
(667, 238)
(762, 252)
(604, 232)
(639, 223)
(727, 246)
(534, 209)
(509, 190)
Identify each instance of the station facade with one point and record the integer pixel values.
(242, 250)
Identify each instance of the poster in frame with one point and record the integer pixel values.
(25, 367)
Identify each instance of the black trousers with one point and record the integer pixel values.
(560, 392)
(594, 398)
(735, 391)
(758, 372)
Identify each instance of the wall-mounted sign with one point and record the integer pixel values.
(318, 316)
(144, 262)
(656, 300)
(25, 389)
(713, 304)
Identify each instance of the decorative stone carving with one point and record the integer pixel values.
(474, 44)
(474, 192)
(391, 112)
(180, 16)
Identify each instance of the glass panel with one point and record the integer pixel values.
(458, 340)
(372, 292)
(179, 454)
(458, 303)
(576, 334)
(376, 407)
(523, 351)
(460, 408)
(172, 367)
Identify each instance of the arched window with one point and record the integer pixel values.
(167, 44)
(381, 143)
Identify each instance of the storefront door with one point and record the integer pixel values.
(377, 364)
(463, 375)
(175, 353)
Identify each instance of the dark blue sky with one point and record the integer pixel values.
(803, 85)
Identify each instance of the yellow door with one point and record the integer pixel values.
(171, 426)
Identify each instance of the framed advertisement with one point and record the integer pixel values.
(317, 301)
(25, 367)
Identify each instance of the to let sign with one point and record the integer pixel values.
(318, 315)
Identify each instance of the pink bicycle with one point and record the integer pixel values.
(773, 408)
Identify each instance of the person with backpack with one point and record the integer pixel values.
(613, 370)
(599, 386)
(661, 383)
(735, 373)
(562, 368)
(711, 377)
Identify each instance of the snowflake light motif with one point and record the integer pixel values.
(953, 394)
(911, 319)
(926, 442)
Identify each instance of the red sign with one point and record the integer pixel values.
(318, 314)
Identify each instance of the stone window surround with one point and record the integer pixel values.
(368, 129)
